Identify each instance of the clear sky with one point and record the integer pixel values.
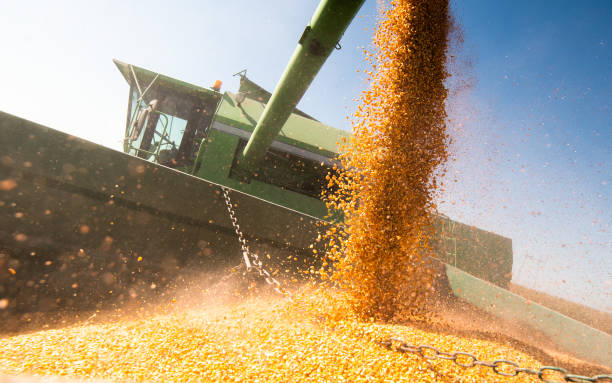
(532, 129)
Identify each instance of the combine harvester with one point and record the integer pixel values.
(83, 226)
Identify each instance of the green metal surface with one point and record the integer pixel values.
(481, 253)
(256, 92)
(298, 131)
(217, 161)
(324, 31)
(576, 337)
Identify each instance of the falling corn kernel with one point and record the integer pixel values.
(20, 237)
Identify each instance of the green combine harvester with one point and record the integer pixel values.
(83, 226)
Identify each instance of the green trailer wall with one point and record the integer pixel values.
(479, 252)
(575, 337)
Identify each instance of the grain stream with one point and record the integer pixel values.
(391, 167)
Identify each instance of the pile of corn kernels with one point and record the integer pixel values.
(313, 338)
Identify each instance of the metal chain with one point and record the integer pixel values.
(251, 260)
(501, 367)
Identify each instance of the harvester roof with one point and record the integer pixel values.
(146, 77)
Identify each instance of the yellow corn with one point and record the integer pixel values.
(315, 338)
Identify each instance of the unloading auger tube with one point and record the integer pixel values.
(320, 37)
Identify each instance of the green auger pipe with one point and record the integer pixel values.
(319, 39)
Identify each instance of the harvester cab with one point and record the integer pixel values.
(166, 122)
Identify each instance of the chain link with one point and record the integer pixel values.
(251, 260)
(501, 367)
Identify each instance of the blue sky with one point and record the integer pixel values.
(534, 156)
(533, 132)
